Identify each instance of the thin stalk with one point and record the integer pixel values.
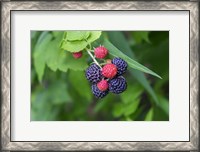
(103, 63)
(93, 58)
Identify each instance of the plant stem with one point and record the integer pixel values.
(103, 63)
(93, 58)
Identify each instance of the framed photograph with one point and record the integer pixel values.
(100, 76)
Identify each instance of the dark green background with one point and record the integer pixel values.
(66, 96)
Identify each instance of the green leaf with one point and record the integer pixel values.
(104, 103)
(128, 118)
(131, 94)
(63, 60)
(34, 39)
(46, 103)
(118, 110)
(77, 35)
(55, 58)
(149, 116)
(159, 114)
(132, 63)
(131, 107)
(53, 54)
(59, 59)
(144, 82)
(39, 53)
(58, 93)
(121, 43)
(57, 33)
(164, 104)
(80, 84)
(35, 34)
(74, 46)
(80, 40)
(68, 61)
(125, 109)
(42, 37)
(139, 112)
(100, 105)
(94, 35)
(47, 51)
(141, 35)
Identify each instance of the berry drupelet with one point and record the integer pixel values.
(100, 52)
(93, 73)
(98, 93)
(102, 85)
(117, 85)
(121, 65)
(109, 70)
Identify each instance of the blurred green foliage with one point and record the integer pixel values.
(60, 91)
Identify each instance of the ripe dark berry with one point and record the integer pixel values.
(117, 85)
(102, 85)
(98, 93)
(93, 73)
(100, 52)
(121, 65)
(77, 55)
(109, 70)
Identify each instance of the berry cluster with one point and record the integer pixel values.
(107, 78)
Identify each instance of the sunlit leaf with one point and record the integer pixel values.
(39, 53)
(94, 35)
(74, 46)
(77, 35)
(149, 116)
(80, 40)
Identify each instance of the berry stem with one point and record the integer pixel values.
(93, 58)
(103, 63)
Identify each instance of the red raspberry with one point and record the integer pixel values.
(109, 70)
(102, 85)
(77, 55)
(100, 52)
